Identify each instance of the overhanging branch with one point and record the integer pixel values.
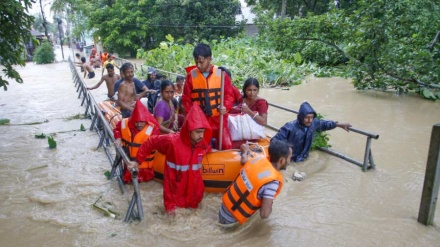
(327, 43)
(436, 38)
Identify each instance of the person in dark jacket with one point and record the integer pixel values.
(300, 132)
(152, 83)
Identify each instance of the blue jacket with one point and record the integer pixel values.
(138, 85)
(300, 137)
(155, 85)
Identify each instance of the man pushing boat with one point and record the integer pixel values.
(182, 183)
(257, 185)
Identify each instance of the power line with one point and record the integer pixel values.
(193, 26)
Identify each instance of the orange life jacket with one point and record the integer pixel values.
(206, 91)
(241, 198)
(104, 57)
(133, 143)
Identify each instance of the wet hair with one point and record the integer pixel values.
(250, 81)
(109, 66)
(278, 149)
(83, 59)
(226, 70)
(202, 50)
(164, 84)
(152, 70)
(126, 66)
(180, 78)
(160, 76)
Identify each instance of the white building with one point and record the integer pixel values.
(246, 14)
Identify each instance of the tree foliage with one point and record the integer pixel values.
(386, 45)
(38, 24)
(126, 25)
(44, 54)
(296, 8)
(244, 57)
(15, 26)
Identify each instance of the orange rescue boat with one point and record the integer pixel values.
(220, 168)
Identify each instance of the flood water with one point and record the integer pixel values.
(47, 194)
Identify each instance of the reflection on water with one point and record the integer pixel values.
(336, 205)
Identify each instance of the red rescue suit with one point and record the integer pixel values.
(182, 183)
(132, 139)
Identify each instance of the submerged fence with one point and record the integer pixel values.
(367, 162)
(106, 140)
(105, 133)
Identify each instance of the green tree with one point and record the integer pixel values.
(386, 45)
(190, 21)
(296, 8)
(125, 25)
(392, 46)
(44, 54)
(15, 23)
(38, 24)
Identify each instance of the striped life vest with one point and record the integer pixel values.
(241, 198)
(133, 143)
(206, 91)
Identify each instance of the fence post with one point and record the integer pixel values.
(432, 179)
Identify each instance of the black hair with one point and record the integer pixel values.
(160, 76)
(202, 50)
(278, 149)
(164, 84)
(250, 81)
(126, 66)
(83, 59)
(77, 55)
(109, 66)
(226, 70)
(180, 78)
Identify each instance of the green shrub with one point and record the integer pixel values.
(321, 138)
(44, 54)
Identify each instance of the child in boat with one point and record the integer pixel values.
(178, 91)
(182, 183)
(131, 133)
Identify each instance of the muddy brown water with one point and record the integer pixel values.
(47, 194)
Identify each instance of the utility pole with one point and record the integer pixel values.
(432, 180)
(283, 9)
(44, 22)
(60, 31)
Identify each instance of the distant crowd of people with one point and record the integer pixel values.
(182, 120)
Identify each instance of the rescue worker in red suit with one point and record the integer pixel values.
(131, 133)
(182, 183)
(203, 86)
